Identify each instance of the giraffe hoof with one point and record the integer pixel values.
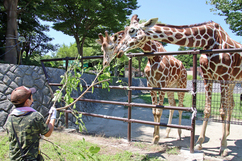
(198, 147)
(223, 152)
(156, 139)
(178, 138)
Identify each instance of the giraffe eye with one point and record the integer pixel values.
(131, 30)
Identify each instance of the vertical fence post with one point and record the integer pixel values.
(129, 98)
(66, 113)
(194, 83)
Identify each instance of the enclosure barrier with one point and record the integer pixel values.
(130, 88)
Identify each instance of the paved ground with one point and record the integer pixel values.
(144, 133)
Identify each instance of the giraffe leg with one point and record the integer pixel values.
(172, 102)
(207, 112)
(223, 114)
(156, 136)
(180, 98)
(230, 108)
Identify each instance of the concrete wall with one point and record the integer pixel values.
(12, 76)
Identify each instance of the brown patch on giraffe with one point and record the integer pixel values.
(198, 37)
(226, 59)
(149, 32)
(223, 36)
(155, 36)
(165, 71)
(168, 33)
(188, 32)
(146, 47)
(178, 70)
(182, 42)
(174, 71)
(210, 32)
(158, 75)
(190, 42)
(166, 28)
(203, 42)
(166, 41)
(178, 36)
(210, 43)
(154, 47)
(195, 31)
(170, 39)
(132, 44)
(154, 66)
(161, 36)
(236, 59)
(206, 36)
(197, 43)
(180, 30)
(230, 42)
(158, 29)
(215, 59)
(202, 31)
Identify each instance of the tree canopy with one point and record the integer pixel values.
(232, 9)
(86, 18)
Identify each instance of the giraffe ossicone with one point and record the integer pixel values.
(222, 67)
(160, 71)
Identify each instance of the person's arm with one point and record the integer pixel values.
(52, 121)
(51, 127)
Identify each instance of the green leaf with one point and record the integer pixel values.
(94, 150)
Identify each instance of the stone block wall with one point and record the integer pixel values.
(12, 76)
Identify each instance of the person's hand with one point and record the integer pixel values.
(53, 112)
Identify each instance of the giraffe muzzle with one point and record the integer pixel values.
(120, 54)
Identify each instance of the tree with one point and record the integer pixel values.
(232, 10)
(85, 18)
(11, 34)
(20, 19)
(187, 60)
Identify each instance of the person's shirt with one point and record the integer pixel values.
(28, 128)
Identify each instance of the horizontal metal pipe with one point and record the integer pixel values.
(135, 88)
(134, 120)
(73, 58)
(137, 104)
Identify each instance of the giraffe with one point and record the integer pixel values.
(223, 67)
(160, 71)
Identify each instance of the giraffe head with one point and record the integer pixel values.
(107, 46)
(134, 35)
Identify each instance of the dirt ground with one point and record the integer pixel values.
(143, 134)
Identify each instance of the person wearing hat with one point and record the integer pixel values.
(25, 126)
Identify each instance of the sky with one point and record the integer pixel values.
(173, 12)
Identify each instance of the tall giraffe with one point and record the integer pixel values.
(224, 67)
(160, 71)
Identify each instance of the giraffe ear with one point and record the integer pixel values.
(98, 41)
(115, 37)
(149, 23)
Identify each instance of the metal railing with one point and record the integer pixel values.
(129, 120)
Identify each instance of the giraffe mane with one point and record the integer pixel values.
(184, 26)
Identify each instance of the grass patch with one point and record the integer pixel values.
(173, 151)
(65, 146)
(200, 103)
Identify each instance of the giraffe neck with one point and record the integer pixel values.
(207, 35)
(153, 46)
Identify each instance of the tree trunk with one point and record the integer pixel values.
(11, 35)
(139, 58)
(80, 48)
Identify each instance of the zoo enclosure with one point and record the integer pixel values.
(130, 88)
